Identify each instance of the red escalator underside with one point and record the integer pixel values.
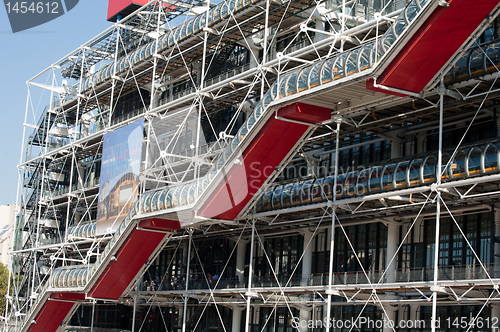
(133, 254)
(437, 40)
(54, 310)
(259, 160)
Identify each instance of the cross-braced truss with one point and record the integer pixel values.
(396, 196)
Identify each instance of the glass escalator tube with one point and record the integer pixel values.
(411, 11)
(388, 39)
(477, 64)
(176, 196)
(306, 192)
(313, 79)
(302, 79)
(66, 277)
(339, 191)
(474, 157)
(192, 191)
(282, 80)
(54, 278)
(183, 32)
(328, 187)
(388, 177)
(276, 200)
(338, 69)
(215, 13)
(400, 24)
(219, 165)
(239, 5)
(242, 133)
(79, 277)
(375, 179)
(250, 121)
(459, 164)
(204, 183)
(446, 167)
(492, 57)
(224, 11)
(351, 66)
(184, 194)
(154, 200)
(365, 58)
(350, 183)
(266, 100)
(286, 195)
(491, 158)
(168, 197)
(297, 193)
(362, 182)
(161, 198)
(401, 174)
(72, 277)
(317, 193)
(235, 142)
(146, 207)
(203, 19)
(83, 277)
(325, 73)
(76, 231)
(232, 6)
(267, 199)
(291, 85)
(415, 172)
(429, 169)
(123, 225)
(196, 26)
(84, 231)
(60, 279)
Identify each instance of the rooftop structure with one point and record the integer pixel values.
(263, 165)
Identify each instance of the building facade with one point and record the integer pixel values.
(7, 220)
(266, 166)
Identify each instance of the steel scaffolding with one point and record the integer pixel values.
(209, 80)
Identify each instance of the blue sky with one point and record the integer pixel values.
(22, 56)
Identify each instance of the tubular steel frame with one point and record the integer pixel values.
(84, 115)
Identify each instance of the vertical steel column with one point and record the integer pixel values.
(199, 96)
(264, 51)
(187, 281)
(133, 312)
(441, 90)
(152, 94)
(332, 237)
(73, 157)
(250, 272)
(113, 75)
(93, 313)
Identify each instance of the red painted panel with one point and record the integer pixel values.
(305, 112)
(434, 43)
(132, 255)
(259, 160)
(160, 224)
(116, 6)
(51, 316)
(68, 296)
